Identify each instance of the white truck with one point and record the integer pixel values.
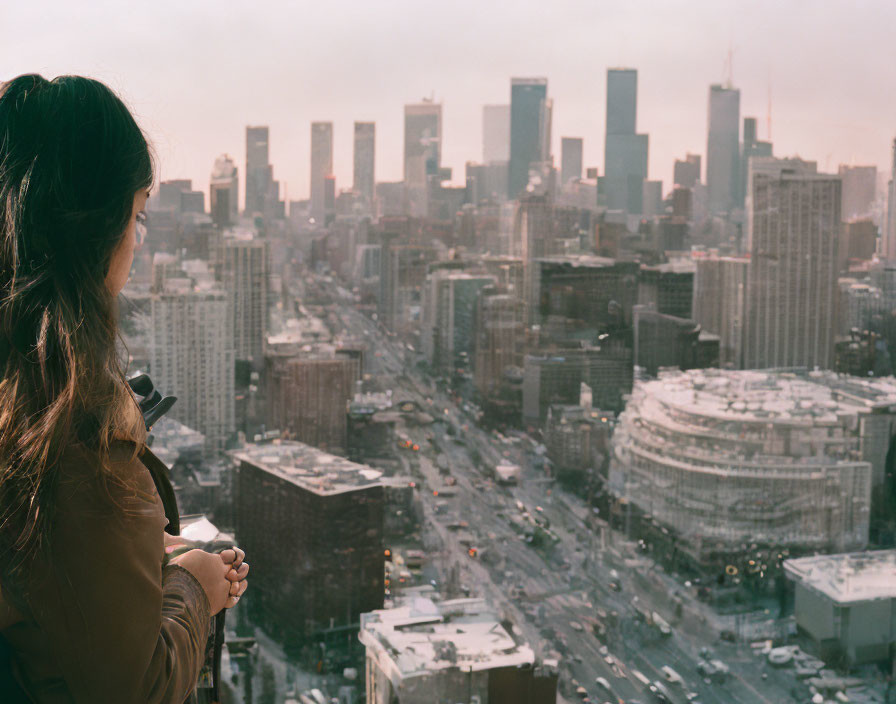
(507, 473)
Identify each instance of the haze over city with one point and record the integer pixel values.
(197, 73)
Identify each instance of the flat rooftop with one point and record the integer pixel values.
(308, 467)
(849, 577)
(771, 396)
(421, 637)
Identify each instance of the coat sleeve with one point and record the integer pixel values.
(122, 628)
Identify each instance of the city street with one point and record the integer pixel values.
(557, 596)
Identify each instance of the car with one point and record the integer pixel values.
(602, 681)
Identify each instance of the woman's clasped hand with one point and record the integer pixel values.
(222, 575)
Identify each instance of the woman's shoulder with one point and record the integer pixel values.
(86, 477)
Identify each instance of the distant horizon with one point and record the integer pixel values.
(196, 76)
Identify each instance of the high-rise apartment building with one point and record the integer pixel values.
(224, 189)
(243, 271)
(625, 153)
(495, 134)
(570, 159)
(314, 524)
(529, 131)
(321, 167)
(258, 169)
(192, 357)
(722, 148)
(363, 181)
(422, 152)
(793, 226)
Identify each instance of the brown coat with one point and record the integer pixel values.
(104, 620)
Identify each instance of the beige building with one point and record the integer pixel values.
(727, 458)
(720, 288)
(192, 356)
(793, 228)
(846, 604)
(454, 651)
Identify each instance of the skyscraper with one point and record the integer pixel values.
(365, 154)
(422, 152)
(625, 154)
(687, 172)
(224, 191)
(570, 159)
(495, 133)
(244, 276)
(191, 356)
(793, 223)
(529, 130)
(859, 190)
(321, 167)
(258, 170)
(751, 147)
(722, 147)
(888, 241)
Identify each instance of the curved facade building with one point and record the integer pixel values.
(725, 459)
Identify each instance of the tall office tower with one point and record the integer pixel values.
(570, 159)
(314, 524)
(224, 189)
(751, 147)
(528, 131)
(859, 190)
(625, 153)
(191, 356)
(365, 156)
(449, 304)
(495, 133)
(422, 152)
(687, 172)
(321, 167)
(888, 240)
(722, 148)
(793, 224)
(720, 289)
(243, 272)
(652, 198)
(258, 169)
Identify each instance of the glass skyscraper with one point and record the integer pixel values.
(529, 131)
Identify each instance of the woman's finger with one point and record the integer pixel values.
(239, 556)
(228, 556)
(234, 600)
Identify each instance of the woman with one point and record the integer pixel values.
(88, 609)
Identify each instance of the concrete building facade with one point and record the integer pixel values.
(723, 458)
(793, 228)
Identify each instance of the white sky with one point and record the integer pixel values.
(196, 72)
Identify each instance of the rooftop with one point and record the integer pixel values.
(770, 395)
(308, 467)
(421, 636)
(847, 578)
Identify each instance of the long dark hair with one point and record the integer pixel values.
(71, 160)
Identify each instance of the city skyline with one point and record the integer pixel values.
(195, 84)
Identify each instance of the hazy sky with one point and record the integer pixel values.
(196, 72)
